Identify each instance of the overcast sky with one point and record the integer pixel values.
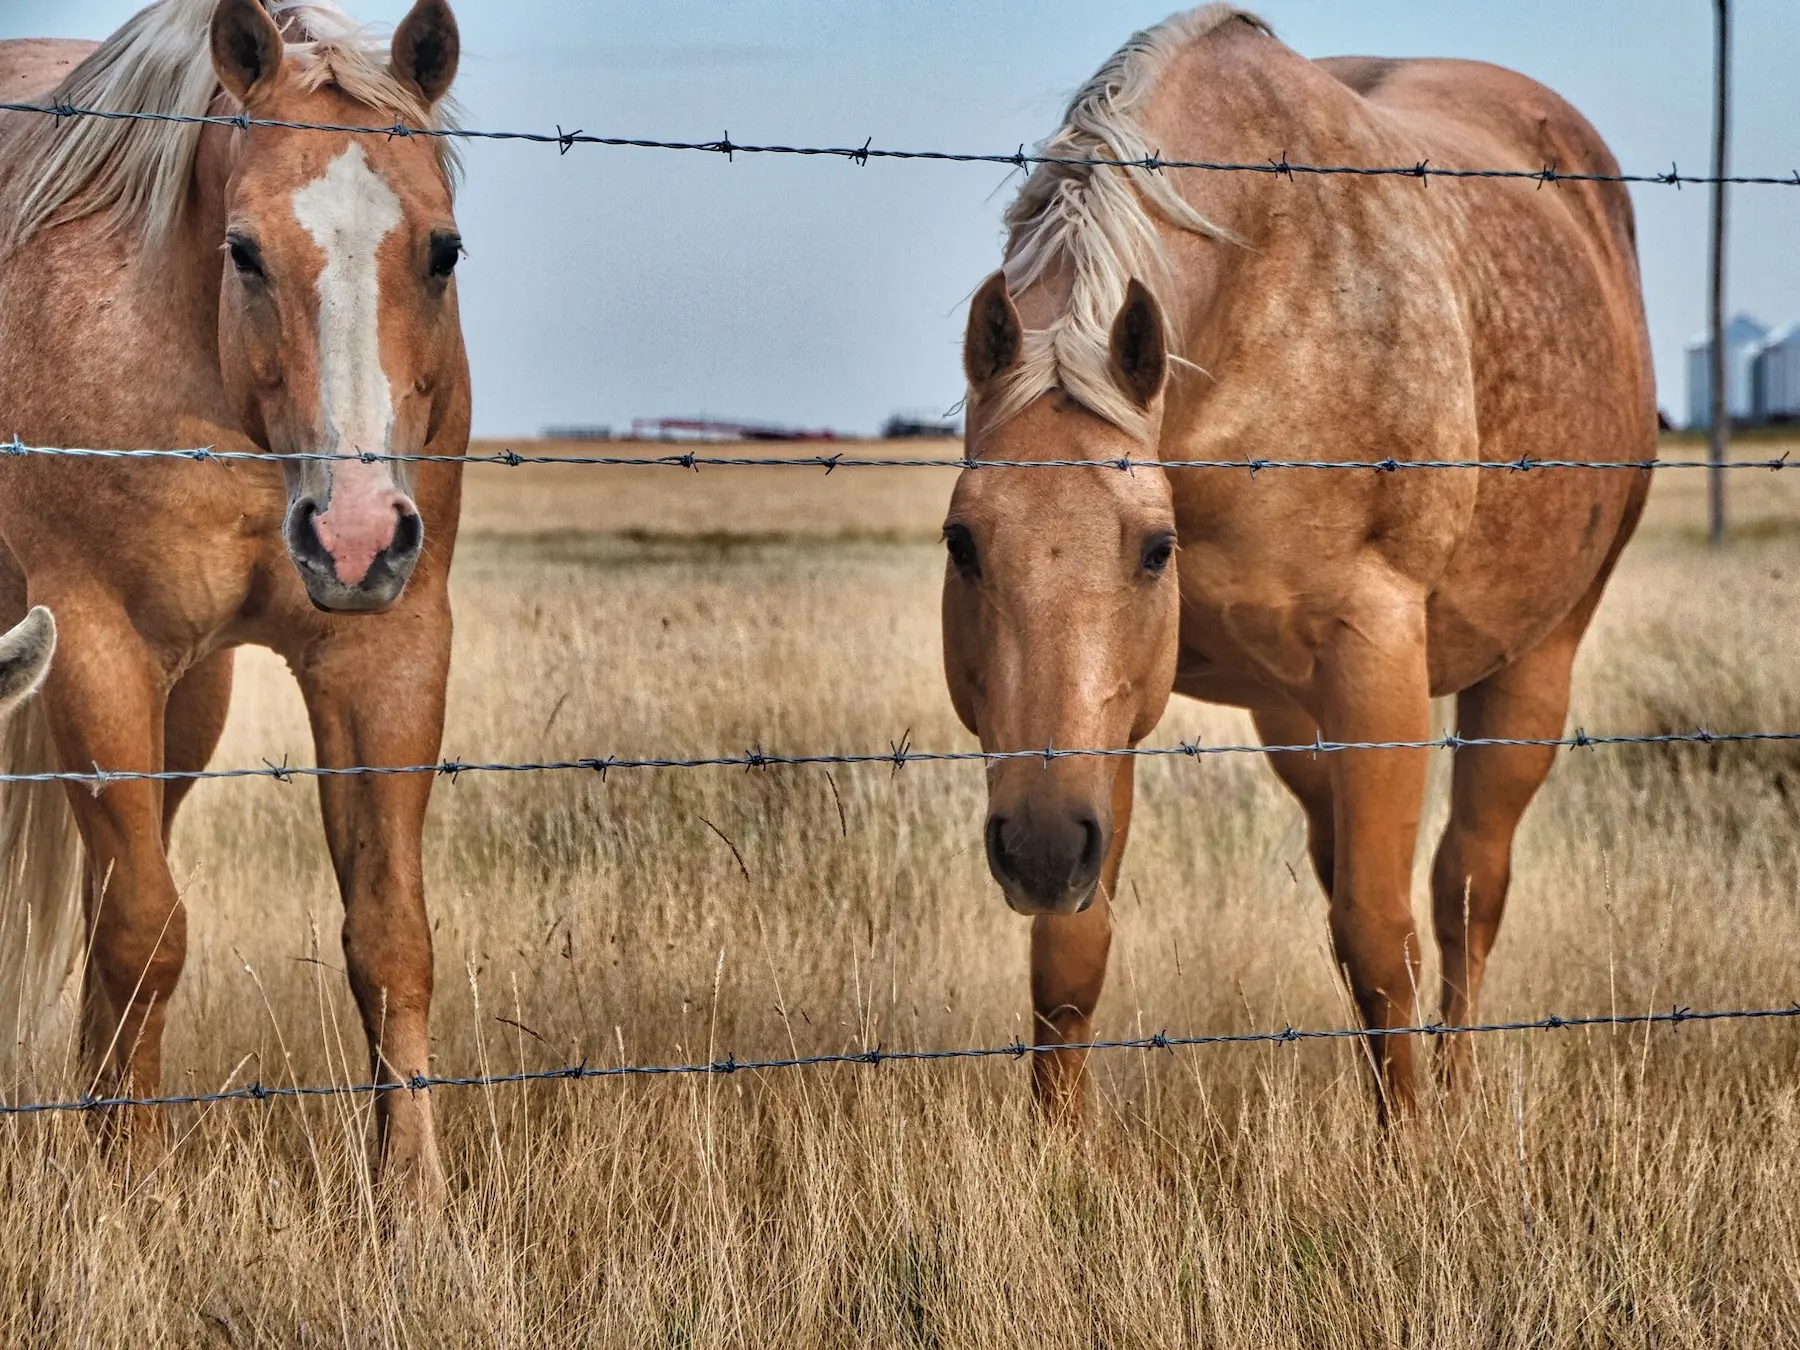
(608, 284)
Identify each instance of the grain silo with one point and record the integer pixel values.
(1742, 336)
(1775, 376)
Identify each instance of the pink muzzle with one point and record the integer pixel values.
(361, 520)
(359, 551)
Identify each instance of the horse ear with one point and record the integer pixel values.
(1140, 357)
(246, 48)
(426, 49)
(992, 343)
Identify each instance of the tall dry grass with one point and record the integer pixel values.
(1594, 1188)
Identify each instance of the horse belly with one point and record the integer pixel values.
(1530, 556)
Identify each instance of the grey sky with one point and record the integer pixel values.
(608, 284)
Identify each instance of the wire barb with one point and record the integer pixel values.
(901, 750)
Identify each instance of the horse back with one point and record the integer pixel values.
(29, 69)
(32, 67)
(1476, 111)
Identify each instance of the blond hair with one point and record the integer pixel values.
(1099, 225)
(135, 172)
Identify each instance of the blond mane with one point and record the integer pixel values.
(1098, 226)
(135, 173)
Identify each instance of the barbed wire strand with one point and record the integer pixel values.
(830, 463)
(877, 1056)
(899, 754)
(867, 152)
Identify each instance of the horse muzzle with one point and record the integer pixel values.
(1047, 861)
(357, 553)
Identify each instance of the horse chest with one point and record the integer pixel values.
(179, 547)
(1239, 631)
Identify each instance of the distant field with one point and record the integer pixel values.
(1594, 1189)
(898, 502)
(1758, 502)
(754, 501)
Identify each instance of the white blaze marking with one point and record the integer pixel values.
(348, 211)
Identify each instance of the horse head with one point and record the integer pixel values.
(1060, 608)
(339, 336)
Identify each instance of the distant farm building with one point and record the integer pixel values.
(919, 426)
(1742, 336)
(1775, 376)
(715, 429)
(1762, 374)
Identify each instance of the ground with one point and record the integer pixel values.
(1595, 1187)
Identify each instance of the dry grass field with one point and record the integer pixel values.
(1593, 1189)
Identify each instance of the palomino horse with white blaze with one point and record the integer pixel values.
(1224, 316)
(165, 285)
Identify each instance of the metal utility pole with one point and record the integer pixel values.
(1719, 432)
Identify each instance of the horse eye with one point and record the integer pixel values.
(244, 256)
(1158, 549)
(960, 544)
(445, 250)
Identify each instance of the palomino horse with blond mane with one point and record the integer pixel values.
(1221, 316)
(166, 284)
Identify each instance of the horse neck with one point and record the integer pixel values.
(189, 264)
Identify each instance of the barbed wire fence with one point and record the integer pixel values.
(1278, 166)
(901, 753)
(696, 460)
(876, 1056)
(898, 755)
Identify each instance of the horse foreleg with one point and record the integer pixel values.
(377, 697)
(1068, 970)
(1308, 777)
(193, 721)
(104, 701)
(1376, 687)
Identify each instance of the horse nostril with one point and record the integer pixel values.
(1093, 846)
(302, 531)
(996, 847)
(409, 534)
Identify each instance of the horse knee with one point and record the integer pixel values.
(1377, 947)
(1469, 881)
(139, 943)
(389, 961)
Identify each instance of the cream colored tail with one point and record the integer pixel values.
(40, 848)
